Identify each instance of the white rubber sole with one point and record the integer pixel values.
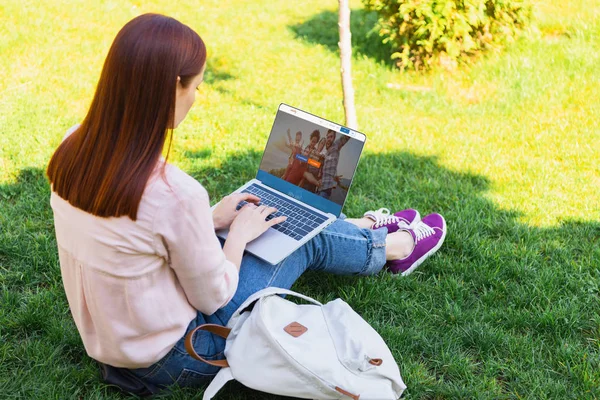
(429, 253)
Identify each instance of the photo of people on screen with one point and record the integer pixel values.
(311, 156)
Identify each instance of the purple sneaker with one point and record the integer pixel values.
(402, 219)
(429, 234)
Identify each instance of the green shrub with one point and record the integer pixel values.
(427, 32)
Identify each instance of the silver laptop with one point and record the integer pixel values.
(306, 171)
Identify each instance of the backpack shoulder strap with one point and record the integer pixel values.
(217, 383)
(270, 291)
(212, 328)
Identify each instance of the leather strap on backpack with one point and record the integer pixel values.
(212, 328)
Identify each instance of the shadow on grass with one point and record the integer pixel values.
(503, 310)
(322, 29)
(216, 72)
(200, 154)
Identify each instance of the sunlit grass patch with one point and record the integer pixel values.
(506, 149)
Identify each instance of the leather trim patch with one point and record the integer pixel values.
(295, 329)
(346, 393)
(376, 361)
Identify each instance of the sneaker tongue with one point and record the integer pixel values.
(423, 231)
(378, 215)
(369, 215)
(403, 225)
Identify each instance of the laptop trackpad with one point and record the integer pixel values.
(272, 245)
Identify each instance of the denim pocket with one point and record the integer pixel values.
(191, 378)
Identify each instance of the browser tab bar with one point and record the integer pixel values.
(322, 122)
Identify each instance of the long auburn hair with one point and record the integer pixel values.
(103, 167)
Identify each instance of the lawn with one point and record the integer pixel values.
(506, 149)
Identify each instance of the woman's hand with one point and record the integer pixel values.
(251, 222)
(225, 212)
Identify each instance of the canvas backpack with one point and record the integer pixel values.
(310, 351)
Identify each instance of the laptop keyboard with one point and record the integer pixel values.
(300, 220)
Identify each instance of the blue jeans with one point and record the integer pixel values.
(325, 193)
(342, 248)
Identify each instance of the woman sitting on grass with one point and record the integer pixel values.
(140, 261)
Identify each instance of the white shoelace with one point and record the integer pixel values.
(422, 231)
(381, 213)
(378, 216)
(383, 217)
(386, 220)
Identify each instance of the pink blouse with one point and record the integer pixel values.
(134, 286)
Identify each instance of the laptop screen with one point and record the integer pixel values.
(310, 159)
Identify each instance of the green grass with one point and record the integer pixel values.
(506, 149)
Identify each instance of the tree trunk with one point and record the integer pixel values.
(345, 44)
